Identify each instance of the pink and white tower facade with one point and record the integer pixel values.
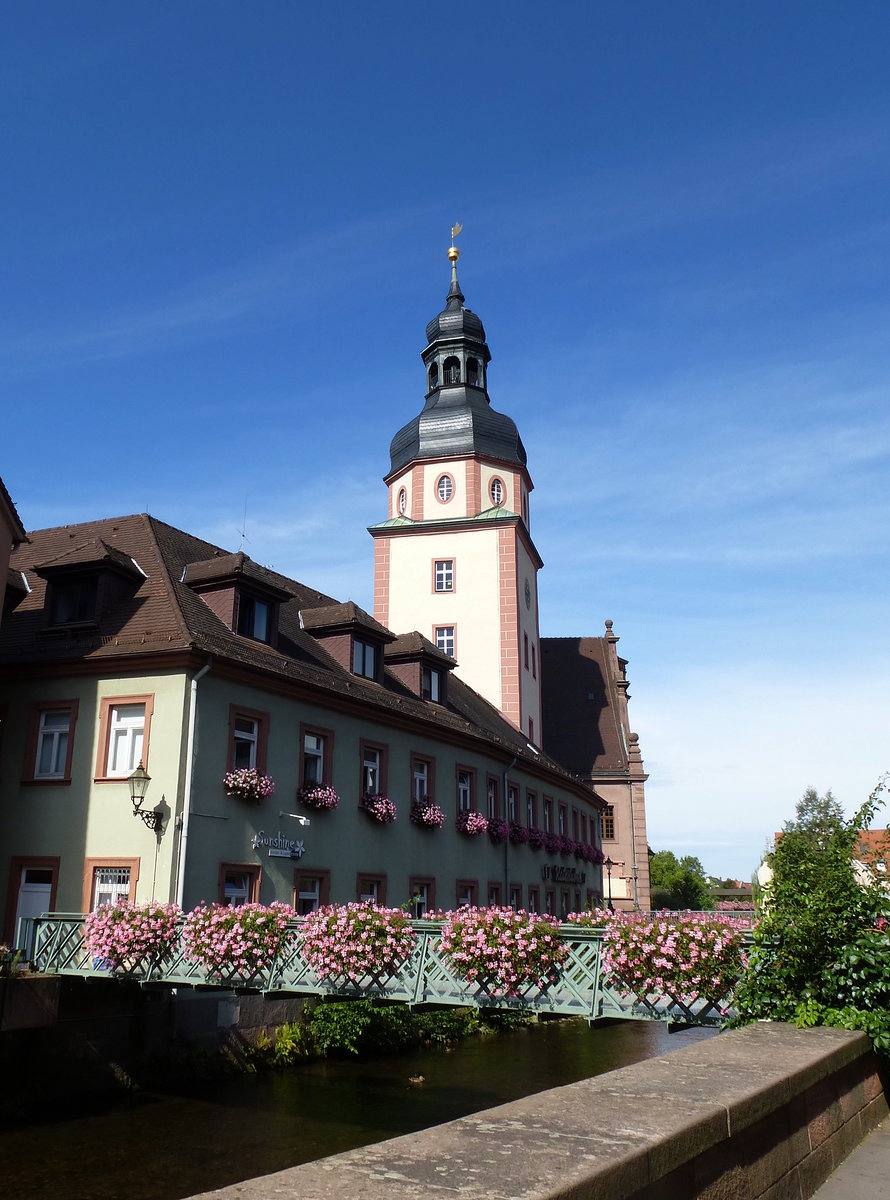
(454, 559)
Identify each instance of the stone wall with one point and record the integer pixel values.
(765, 1111)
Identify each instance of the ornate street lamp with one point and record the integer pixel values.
(608, 864)
(139, 781)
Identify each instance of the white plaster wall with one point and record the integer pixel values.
(473, 608)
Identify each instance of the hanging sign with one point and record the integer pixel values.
(279, 846)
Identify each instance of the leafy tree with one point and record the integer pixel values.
(821, 953)
(678, 883)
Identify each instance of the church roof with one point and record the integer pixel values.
(581, 709)
(457, 418)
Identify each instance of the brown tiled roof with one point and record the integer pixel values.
(579, 697)
(18, 529)
(164, 615)
(92, 552)
(343, 616)
(413, 645)
(231, 566)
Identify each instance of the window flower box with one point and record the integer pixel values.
(470, 823)
(518, 834)
(427, 814)
(498, 830)
(379, 808)
(537, 839)
(249, 785)
(319, 796)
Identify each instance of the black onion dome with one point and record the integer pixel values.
(455, 322)
(457, 418)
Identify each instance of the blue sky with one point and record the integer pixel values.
(224, 230)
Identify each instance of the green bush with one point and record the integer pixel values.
(820, 952)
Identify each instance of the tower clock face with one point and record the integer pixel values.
(528, 594)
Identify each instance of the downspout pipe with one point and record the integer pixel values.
(507, 840)
(189, 774)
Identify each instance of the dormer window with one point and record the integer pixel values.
(254, 618)
(451, 370)
(72, 601)
(364, 658)
(431, 684)
(434, 377)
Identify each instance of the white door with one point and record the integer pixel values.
(35, 890)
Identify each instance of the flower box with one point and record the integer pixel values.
(123, 935)
(249, 785)
(503, 951)
(470, 823)
(238, 939)
(498, 830)
(352, 941)
(427, 814)
(319, 796)
(518, 834)
(379, 808)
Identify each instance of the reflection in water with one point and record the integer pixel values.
(166, 1147)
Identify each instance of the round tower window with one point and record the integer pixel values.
(445, 488)
(403, 502)
(497, 493)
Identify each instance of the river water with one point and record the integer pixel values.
(164, 1147)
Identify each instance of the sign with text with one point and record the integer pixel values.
(279, 846)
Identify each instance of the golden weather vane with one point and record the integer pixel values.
(453, 252)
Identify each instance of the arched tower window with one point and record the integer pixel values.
(451, 370)
(472, 372)
(434, 376)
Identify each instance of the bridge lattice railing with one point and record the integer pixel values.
(582, 988)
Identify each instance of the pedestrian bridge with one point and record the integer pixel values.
(425, 978)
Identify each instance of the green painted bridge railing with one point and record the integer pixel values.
(426, 977)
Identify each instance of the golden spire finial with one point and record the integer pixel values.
(453, 252)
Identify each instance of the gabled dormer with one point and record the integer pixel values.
(86, 582)
(244, 596)
(351, 636)
(421, 666)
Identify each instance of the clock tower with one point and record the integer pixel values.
(454, 559)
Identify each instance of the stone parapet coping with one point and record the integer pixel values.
(764, 1111)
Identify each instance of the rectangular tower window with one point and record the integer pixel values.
(445, 639)
(443, 575)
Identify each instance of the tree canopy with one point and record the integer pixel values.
(821, 952)
(678, 883)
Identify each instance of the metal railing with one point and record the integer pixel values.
(426, 977)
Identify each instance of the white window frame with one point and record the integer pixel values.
(115, 881)
(127, 732)
(372, 762)
(420, 900)
(370, 890)
(444, 574)
(245, 737)
(313, 752)
(464, 791)
(420, 779)
(308, 895)
(236, 894)
(496, 492)
(57, 738)
(445, 489)
(445, 639)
